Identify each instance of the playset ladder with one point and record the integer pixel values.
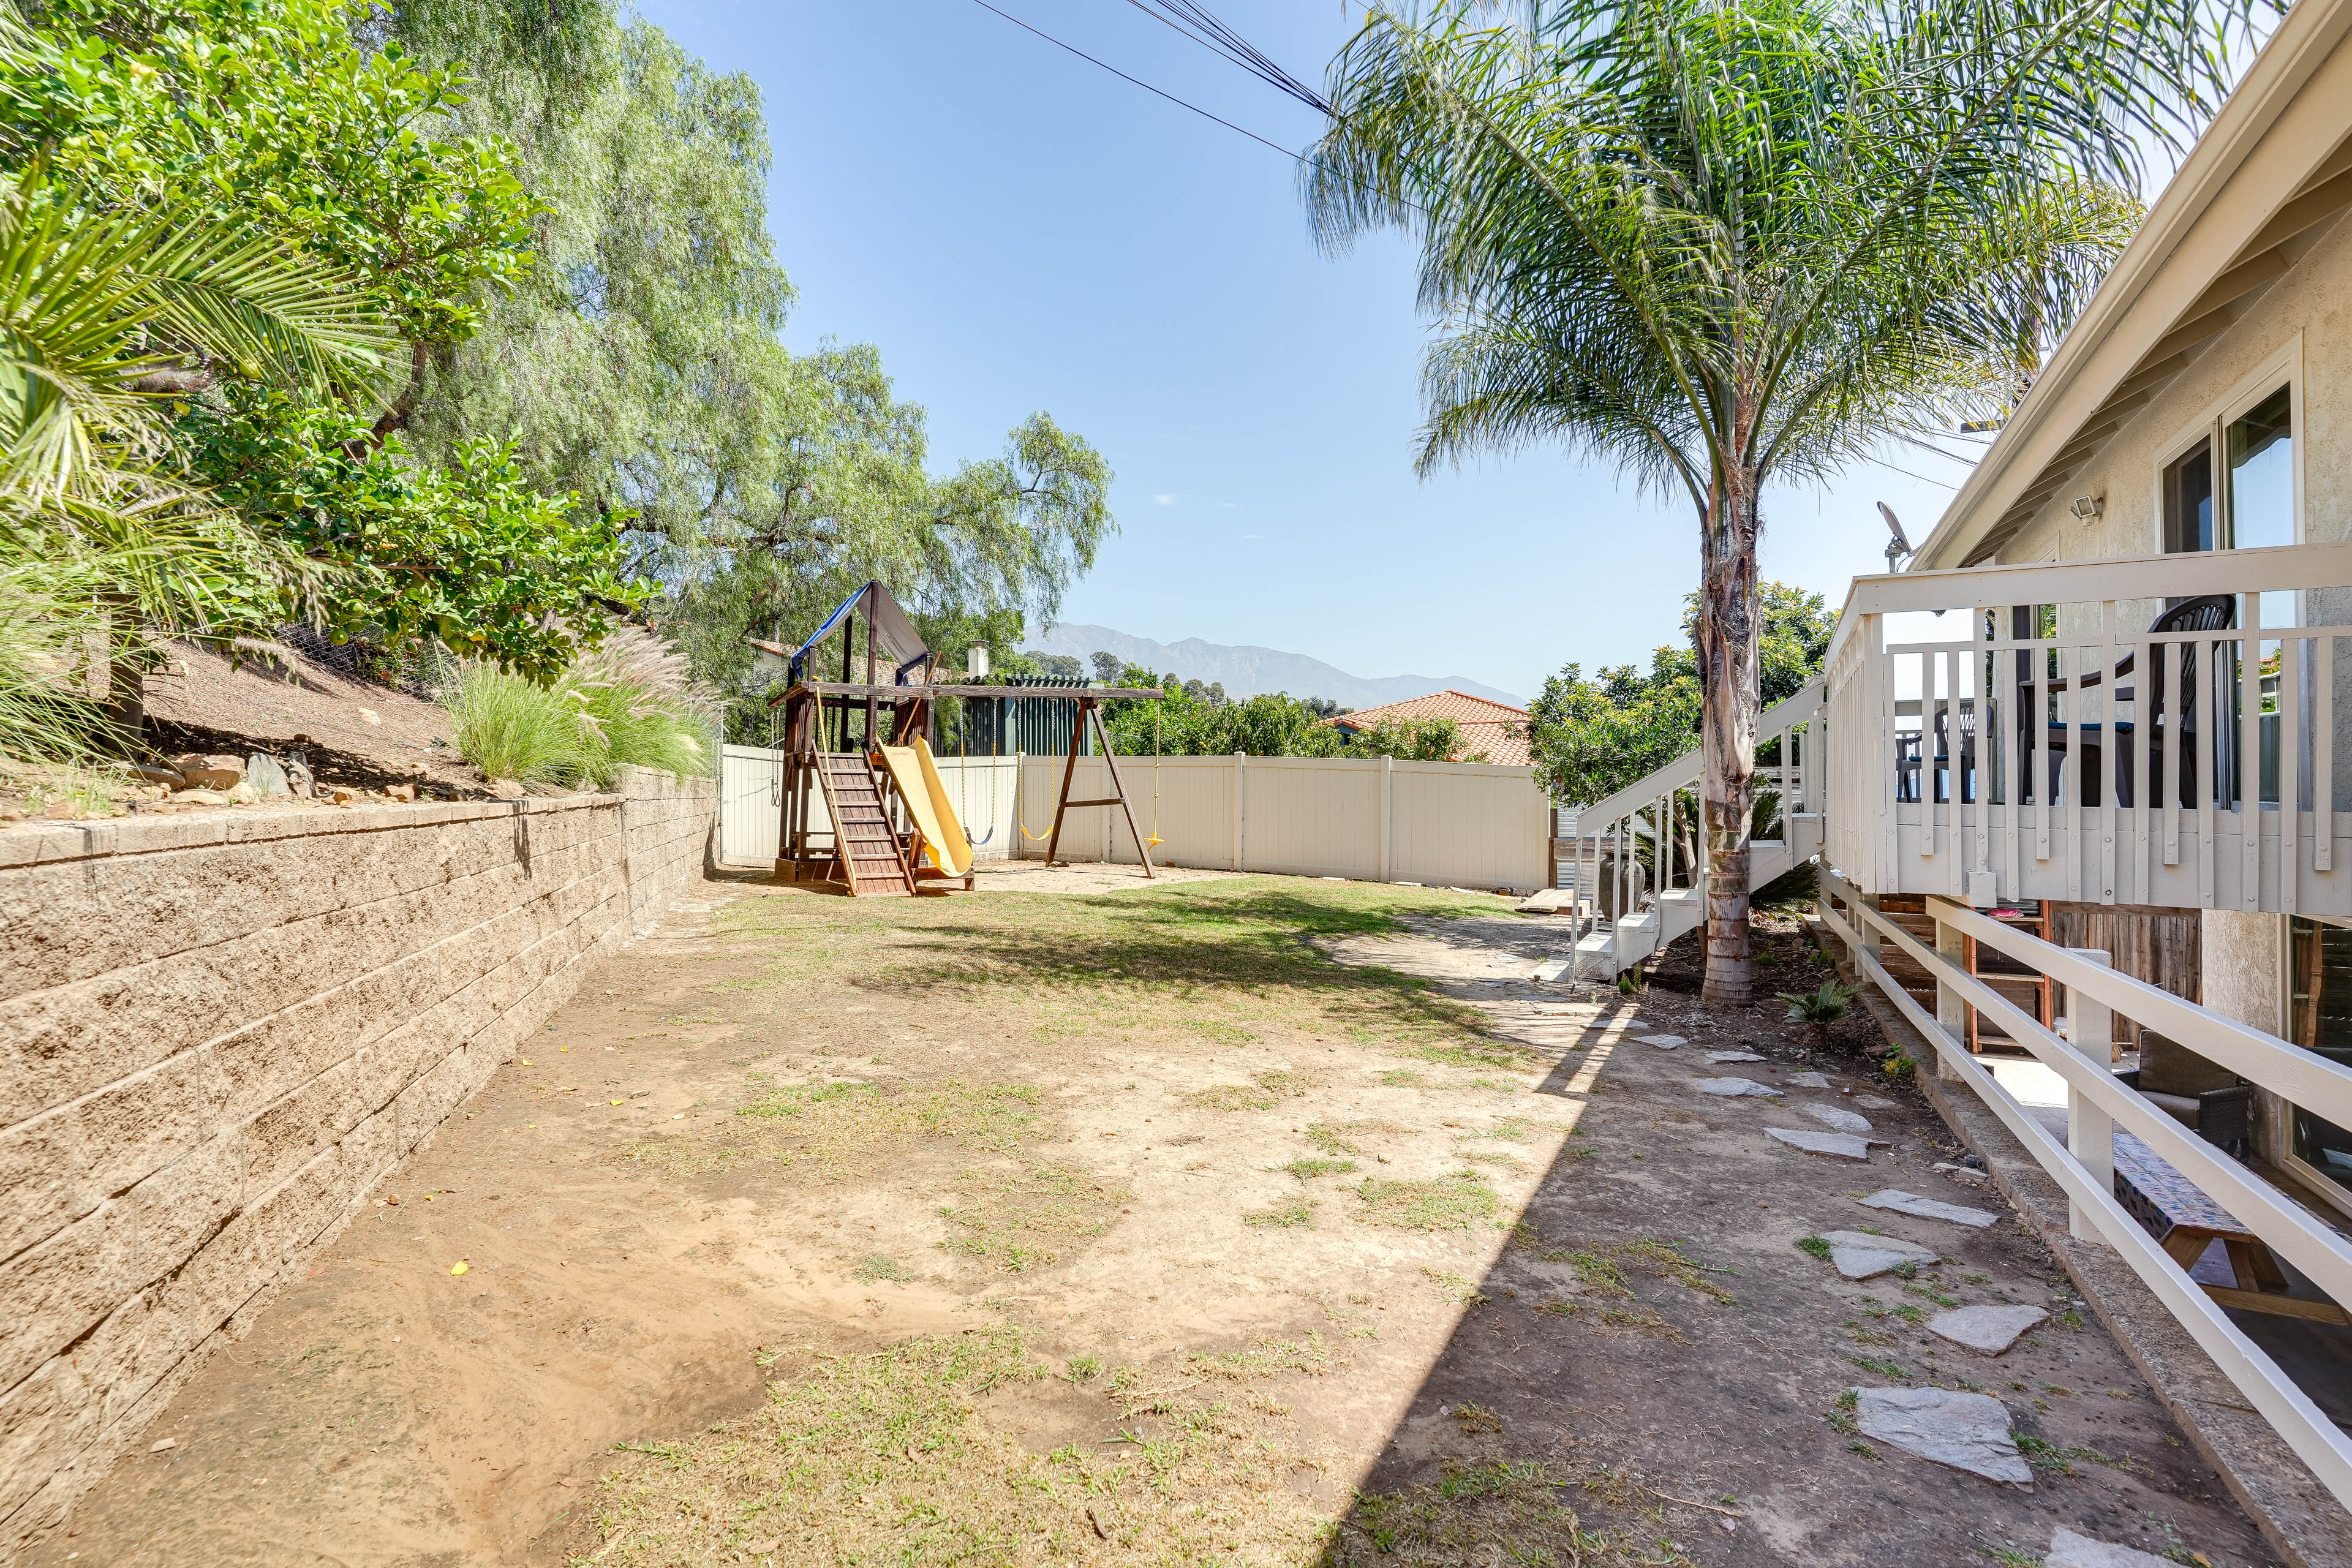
(871, 860)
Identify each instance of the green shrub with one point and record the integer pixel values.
(1819, 1008)
(625, 703)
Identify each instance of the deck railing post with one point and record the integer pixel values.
(2090, 1131)
(1951, 1011)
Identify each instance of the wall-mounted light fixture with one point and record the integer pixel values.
(2088, 508)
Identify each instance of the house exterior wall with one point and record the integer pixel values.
(220, 1034)
(2305, 319)
(2314, 299)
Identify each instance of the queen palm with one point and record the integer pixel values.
(1718, 243)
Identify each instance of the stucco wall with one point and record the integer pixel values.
(2314, 299)
(219, 1034)
(2242, 955)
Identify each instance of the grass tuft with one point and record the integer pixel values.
(1459, 1201)
(1297, 1213)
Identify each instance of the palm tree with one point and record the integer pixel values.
(1723, 242)
(105, 320)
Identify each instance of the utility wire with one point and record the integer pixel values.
(1294, 157)
(1146, 86)
(1201, 25)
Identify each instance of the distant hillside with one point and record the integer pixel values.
(1247, 671)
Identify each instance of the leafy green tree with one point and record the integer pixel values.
(266, 117)
(466, 554)
(1591, 737)
(1721, 242)
(1186, 722)
(90, 509)
(1412, 741)
(640, 368)
(265, 114)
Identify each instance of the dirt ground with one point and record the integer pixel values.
(1235, 1220)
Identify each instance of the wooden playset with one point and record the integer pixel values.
(862, 749)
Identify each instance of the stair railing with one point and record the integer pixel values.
(1647, 817)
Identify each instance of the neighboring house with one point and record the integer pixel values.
(1491, 731)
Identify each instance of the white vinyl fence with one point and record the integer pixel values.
(1468, 824)
(1461, 825)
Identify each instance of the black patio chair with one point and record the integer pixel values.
(2036, 730)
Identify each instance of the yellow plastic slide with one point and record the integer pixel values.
(927, 801)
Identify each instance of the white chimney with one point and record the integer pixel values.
(976, 660)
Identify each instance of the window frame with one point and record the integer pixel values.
(2282, 367)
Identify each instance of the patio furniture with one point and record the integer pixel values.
(2186, 1223)
(2211, 1099)
(2206, 613)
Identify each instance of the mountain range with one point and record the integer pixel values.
(1247, 671)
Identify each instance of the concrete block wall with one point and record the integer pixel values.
(670, 840)
(220, 1033)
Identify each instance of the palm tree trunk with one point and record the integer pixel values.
(1728, 655)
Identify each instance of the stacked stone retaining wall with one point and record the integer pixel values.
(220, 1033)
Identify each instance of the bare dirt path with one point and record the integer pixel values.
(1228, 1220)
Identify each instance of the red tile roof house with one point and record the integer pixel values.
(1491, 731)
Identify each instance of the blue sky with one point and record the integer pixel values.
(1018, 230)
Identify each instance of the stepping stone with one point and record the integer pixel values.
(1809, 1080)
(1733, 1088)
(1843, 1120)
(1988, 1331)
(1547, 902)
(1831, 1145)
(1719, 1056)
(1928, 1209)
(2068, 1550)
(1858, 1255)
(1875, 1102)
(1967, 1431)
(1665, 1042)
(1551, 969)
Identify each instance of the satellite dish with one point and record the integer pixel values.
(1900, 545)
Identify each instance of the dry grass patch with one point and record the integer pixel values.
(1295, 1212)
(1496, 1512)
(1667, 1261)
(1029, 1216)
(1264, 1091)
(840, 1126)
(886, 1459)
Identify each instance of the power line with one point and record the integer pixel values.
(1201, 25)
(1156, 92)
(1146, 86)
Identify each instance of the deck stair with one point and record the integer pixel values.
(1620, 838)
(1612, 949)
(873, 861)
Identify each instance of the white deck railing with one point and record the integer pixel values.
(2018, 732)
(2098, 1104)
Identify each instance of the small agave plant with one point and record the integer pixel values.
(1819, 1008)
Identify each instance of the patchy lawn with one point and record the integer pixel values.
(1253, 1220)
